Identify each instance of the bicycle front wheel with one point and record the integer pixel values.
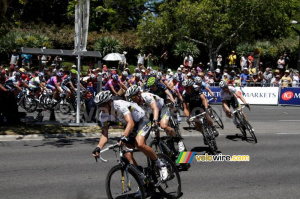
(123, 183)
(217, 119)
(171, 188)
(250, 130)
(210, 138)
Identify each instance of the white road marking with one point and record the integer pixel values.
(288, 120)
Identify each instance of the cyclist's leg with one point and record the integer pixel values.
(164, 122)
(143, 130)
(226, 109)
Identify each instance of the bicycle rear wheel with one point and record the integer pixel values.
(171, 188)
(29, 103)
(217, 119)
(123, 183)
(250, 130)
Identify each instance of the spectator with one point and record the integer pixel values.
(168, 73)
(218, 75)
(210, 78)
(252, 69)
(295, 78)
(200, 67)
(280, 63)
(219, 61)
(260, 66)
(251, 57)
(245, 77)
(189, 76)
(277, 72)
(232, 59)
(123, 62)
(237, 80)
(14, 60)
(225, 71)
(243, 62)
(266, 78)
(188, 61)
(255, 80)
(286, 60)
(275, 82)
(286, 80)
(225, 77)
(26, 60)
(232, 74)
(164, 58)
(149, 59)
(141, 59)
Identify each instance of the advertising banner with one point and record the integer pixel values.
(289, 96)
(252, 95)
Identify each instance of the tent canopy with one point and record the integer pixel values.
(59, 52)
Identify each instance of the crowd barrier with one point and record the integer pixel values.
(263, 95)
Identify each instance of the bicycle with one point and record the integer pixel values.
(128, 181)
(207, 131)
(243, 124)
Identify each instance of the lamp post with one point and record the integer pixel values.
(298, 32)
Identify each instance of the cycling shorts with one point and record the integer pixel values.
(232, 102)
(49, 86)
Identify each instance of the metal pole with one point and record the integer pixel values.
(298, 62)
(78, 64)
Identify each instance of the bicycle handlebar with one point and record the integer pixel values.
(238, 109)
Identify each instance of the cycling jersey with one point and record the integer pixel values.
(193, 99)
(149, 98)
(13, 80)
(179, 88)
(229, 95)
(120, 108)
(52, 82)
(202, 87)
(34, 82)
(110, 83)
(161, 90)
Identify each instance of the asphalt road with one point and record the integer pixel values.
(64, 168)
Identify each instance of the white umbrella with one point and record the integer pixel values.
(113, 57)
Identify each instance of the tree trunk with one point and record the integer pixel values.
(210, 54)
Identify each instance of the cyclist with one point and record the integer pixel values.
(69, 84)
(36, 83)
(201, 85)
(136, 131)
(159, 110)
(54, 84)
(138, 81)
(114, 85)
(15, 83)
(229, 98)
(194, 102)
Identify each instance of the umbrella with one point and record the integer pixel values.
(113, 57)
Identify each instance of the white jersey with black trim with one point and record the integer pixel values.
(149, 98)
(120, 108)
(229, 95)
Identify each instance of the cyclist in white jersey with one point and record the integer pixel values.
(36, 84)
(229, 97)
(136, 131)
(153, 104)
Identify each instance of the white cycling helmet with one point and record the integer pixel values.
(187, 83)
(102, 97)
(223, 84)
(198, 80)
(124, 73)
(132, 91)
(138, 75)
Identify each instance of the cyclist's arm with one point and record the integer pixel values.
(227, 109)
(18, 87)
(241, 97)
(103, 138)
(2, 88)
(170, 95)
(129, 126)
(210, 92)
(179, 96)
(113, 89)
(123, 86)
(204, 101)
(73, 87)
(155, 110)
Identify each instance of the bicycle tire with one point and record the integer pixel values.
(64, 108)
(210, 138)
(173, 124)
(217, 119)
(241, 125)
(30, 105)
(42, 102)
(111, 183)
(250, 130)
(173, 173)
